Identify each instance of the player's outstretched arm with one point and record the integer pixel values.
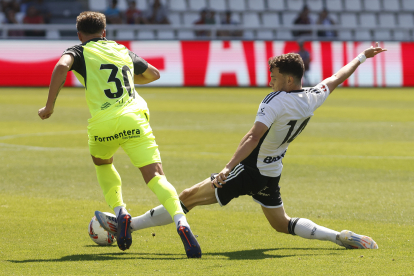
(246, 146)
(150, 75)
(346, 71)
(56, 83)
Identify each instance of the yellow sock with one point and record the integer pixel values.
(166, 194)
(110, 182)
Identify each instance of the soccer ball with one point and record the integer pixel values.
(99, 235)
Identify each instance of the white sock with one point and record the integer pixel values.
(117, 210)
(155, 217)
(180, 219)
(307, 229)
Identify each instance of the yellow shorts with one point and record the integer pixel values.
(132, 132)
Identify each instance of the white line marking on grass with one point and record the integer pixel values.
(41, 134)
(4, 147)
(195, 152)
(355, 156)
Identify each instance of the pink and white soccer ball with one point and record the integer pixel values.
(98, 234)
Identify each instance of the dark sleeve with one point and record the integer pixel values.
(140, 64)
(77, 53)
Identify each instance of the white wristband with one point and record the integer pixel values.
(361, 58)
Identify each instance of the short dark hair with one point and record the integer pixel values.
(288, 64)
(89, 22)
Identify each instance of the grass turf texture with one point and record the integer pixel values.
(351, 168)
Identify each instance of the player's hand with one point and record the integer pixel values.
(45, 112)
(373, 51)
(221, 177)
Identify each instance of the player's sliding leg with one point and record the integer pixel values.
(307, 229)
(157, 216)
(355, 241)
(110, 182)
(167, 195)
(199, 194)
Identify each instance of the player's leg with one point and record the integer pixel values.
(238, 183)
(307, 229)
(102, 150)
(272, 206)
(111, 185)
(167, 195)
(143, 151)
(302, 227)
(144, 154)
(271, 202)
(199, 194)
(154, 177)
(110, 182)
(202, 193)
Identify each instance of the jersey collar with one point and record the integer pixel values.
(296, 91)
(94, 40)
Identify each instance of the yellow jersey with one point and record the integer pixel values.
(106, 70)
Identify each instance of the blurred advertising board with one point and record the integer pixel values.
(217, 63)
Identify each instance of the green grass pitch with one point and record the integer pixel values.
(351, 168)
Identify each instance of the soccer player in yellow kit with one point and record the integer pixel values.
(119, 117)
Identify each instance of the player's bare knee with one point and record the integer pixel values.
(187, 193)
(183, 195)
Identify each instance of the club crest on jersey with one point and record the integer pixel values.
(271, 159)
(261, 112)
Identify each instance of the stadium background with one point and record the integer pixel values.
(352, 168)
(187, 59)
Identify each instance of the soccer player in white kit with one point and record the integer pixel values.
(256, 166)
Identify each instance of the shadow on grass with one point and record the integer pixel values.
(253, 254)
(266, 253)
(107, 257)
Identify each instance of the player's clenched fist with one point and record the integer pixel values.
(45, 113)
(221, 178)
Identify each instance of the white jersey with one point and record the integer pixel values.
(286, 115)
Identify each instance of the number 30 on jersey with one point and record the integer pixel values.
(113, 78)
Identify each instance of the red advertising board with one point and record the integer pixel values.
(216, 63)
